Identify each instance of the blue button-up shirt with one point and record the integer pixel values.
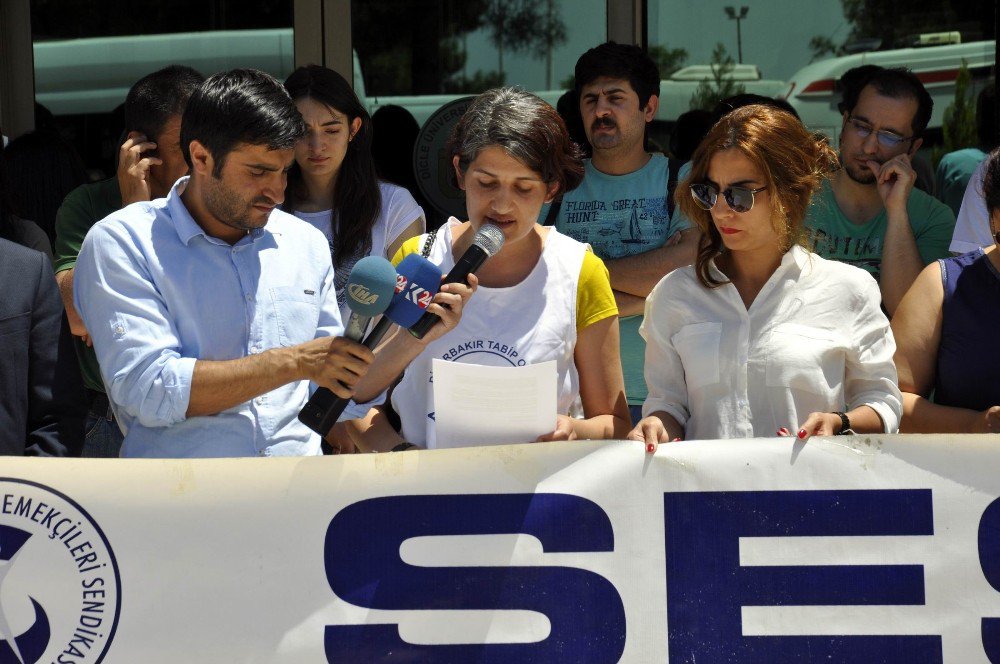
(157, 294)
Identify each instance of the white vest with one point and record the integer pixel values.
(532, 322)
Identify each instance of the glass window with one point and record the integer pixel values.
(423, 55)
(87, 56)
(799, 50)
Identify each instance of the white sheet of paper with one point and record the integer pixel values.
(481, 405)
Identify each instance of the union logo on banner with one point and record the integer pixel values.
(60, 589)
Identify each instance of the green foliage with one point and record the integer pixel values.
(893, 22)
(822, 47)
(410, 47)
(709, 93)
(668, 60)
(959, 123)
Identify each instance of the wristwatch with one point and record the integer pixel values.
(845, 424)
(402, 447)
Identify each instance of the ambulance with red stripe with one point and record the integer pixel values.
(814, 91)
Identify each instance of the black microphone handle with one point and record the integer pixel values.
(471, 260)
(324, 407)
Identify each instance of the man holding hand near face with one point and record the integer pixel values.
(868, 213)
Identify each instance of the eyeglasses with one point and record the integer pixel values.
(886, 138)
(739, 199)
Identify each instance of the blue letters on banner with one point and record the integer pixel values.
(363, 567)
(989, 561)
(706, 586)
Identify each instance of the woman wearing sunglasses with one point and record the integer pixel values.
(760, 336)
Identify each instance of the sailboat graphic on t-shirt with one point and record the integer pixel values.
(634, 230)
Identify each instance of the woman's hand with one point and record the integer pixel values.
(448, 305)
(564, 430)
(651, 431)
(818, 424)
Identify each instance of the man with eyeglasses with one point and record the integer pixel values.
(869, 214)
(622, 207)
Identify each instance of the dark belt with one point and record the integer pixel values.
(97, 402)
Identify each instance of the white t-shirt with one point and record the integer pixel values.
(814, 340)
(399, 210)
(972, 227)
(531, 322)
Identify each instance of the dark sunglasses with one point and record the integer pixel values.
(739, 199)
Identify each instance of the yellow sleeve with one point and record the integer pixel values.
(411, 246)
(594, 299)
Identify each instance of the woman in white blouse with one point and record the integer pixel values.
(760, 336)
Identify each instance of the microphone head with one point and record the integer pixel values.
(489, 238)
(370, 286)
(418, 281)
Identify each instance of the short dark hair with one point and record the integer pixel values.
(895, 83)
(240, 106)
(157, 97)
(527, 128)
(623, 61)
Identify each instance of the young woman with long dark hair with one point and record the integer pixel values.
(333, 184)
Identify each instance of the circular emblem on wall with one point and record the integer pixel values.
(60, 590)
(432, 165)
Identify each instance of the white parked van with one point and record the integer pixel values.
(814, 93)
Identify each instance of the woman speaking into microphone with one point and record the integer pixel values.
(760, 336)
(543, 294)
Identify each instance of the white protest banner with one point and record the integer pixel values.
(847, 549)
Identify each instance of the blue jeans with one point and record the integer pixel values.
(104, 438)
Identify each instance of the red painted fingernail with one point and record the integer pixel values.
(802, 433)
(782, 431)
(676, 440)
(650, 447)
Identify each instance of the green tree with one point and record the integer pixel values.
(959, 122)
(891, 23)
(407, 46)
(513, 26)
(549, 34)
(668, 60)
(822, 47)
(721, 85)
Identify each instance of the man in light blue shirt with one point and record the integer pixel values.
(210, 310)
(621, 208)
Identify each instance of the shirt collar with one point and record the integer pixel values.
(185, 225)
(797, 255)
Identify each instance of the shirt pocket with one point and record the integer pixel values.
(697, 345)
(297, 314)
(801, 357)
